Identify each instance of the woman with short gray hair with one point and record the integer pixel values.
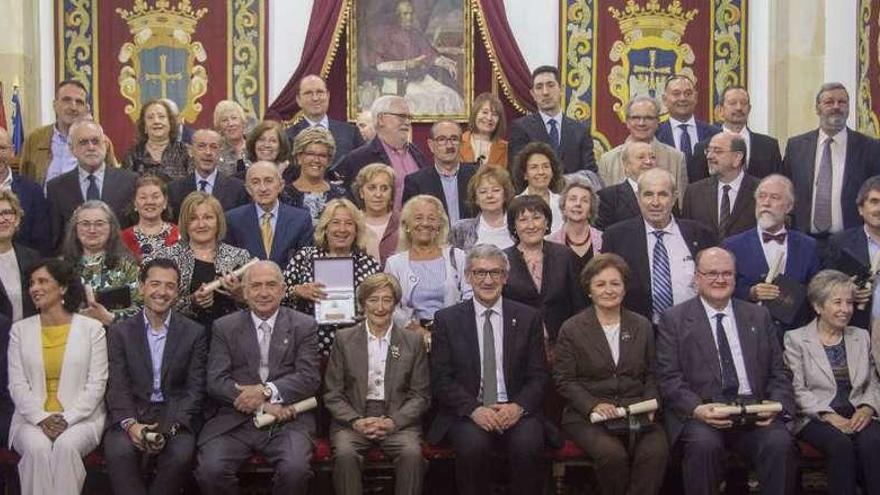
(836, 386)
(579, 204)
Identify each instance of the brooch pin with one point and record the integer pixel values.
(513, 322)
(625, 337)
(395, 352)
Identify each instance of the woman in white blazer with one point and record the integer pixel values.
(53, 431)
(836, 386)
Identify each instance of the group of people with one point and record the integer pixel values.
(691, 265)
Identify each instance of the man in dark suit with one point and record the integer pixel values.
(724, 202)
(263, 359)
(156, 383)
(92, 179)
(489, 376)
(570, 139)
(448, 179)
(313, 98)
(682, 130)
(229, 191)
(620, 202)
(268, 228)
(658, 248)
(33, 230)
(757, 249)
(814, 161)
(712, 349)
(762, 151)
(391, 146)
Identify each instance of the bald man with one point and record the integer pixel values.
(33, 231)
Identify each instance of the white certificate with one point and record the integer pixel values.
(337, 275)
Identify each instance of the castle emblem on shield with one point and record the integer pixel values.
(162, 61)
(650, 52)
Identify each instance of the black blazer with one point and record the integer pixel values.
(561, 295)
(575, 141)
(26, 258)
(65, 195)
(456, 367)
(35, 229)
(427, 181)
(799, 165)
(616, 204)
(130, 379)
(372, 152)
(701, 205)
(346, 136)
(229, 191)
(629, 240)
(764, 158)
(847, 251)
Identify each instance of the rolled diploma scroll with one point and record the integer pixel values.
(875, 266)
(238, 272)
(152, 437)
(749, 409)
(645, 406)
(262, 419)
(774, 267)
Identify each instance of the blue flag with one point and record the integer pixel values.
(17, 122)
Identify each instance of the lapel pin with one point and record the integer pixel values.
(395, 352)
(513, 322)
(625, 337)
(285, 341)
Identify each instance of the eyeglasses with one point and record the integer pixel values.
(95, 141)
(443, 140)
(8, 214)
(97, 224)
(401, 116)
(495, 275)
(716, 275)
(718, 151)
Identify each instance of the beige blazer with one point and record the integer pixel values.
(814, 384)
(83, 375)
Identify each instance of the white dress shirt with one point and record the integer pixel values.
(84, 180)
(210, 179)
(324, 122)
(730, 330)
(691, 129)
(838, 162)
(734, 190)
(681, 263)
(276, 397)
(497, 320)
(10, 277)
(772, 248)
(612, 335)
(6, 183)
(634, 185)
(377, 355)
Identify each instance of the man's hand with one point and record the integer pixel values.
(862, 296)
(231, 286)
(839, 422)
(487, 419)
(53, 426)
(707, 414)
(384, 427)
(861, 418)
(508, 414)
(763, 292)
(606, 410)
(281, 413)
(136, 434)
(250, 398)
(766, 418)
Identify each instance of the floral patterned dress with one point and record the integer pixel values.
(96, 274)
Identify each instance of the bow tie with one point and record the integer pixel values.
(766, 237)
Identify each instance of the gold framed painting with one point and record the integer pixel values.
(421, 50)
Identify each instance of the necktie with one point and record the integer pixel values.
(265, 334)
(554, 135)
(92, 192)
(661, 278)
(724, 214)
(684, 143)
(822, 210)
(729, 380)
(203, 185)
(490, 380)
(266, 232)
(768, 237)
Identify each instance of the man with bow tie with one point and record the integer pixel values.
(757, 249)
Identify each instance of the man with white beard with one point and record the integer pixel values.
(757, 249)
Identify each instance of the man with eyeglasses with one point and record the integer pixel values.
(713, 350)
(313, 98)
(92, 179)
(391, 146)
(46, 153)
(642, 117)
(33, 230)
(489, 376)
(447, 180)
(725, 201)
(758, 248)
(229, 191)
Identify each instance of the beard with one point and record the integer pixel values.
(767, 220)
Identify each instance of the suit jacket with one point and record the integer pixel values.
(36, 155)
(346, 136)
(497, 151)
(407, 379)
(701, 205)
(131, 371)
(575, 141)
(35, 229)
(616, 204)
(814, 383)
(372, 152)
(229, 191)
(26, 258)
(704, 131)
(629, 240)
(65, 195)
(82, 382)
(764, 158)
(234, 358)
(293, 230)
(799, 165)
(456, 367)
(427, 181)
(847, 251)
(584, 370)
(560, 296)
(7, 408)
(688, 368)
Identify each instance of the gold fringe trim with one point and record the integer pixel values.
(477, 9)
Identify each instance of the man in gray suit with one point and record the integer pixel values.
(262, 359)
(377, 390)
